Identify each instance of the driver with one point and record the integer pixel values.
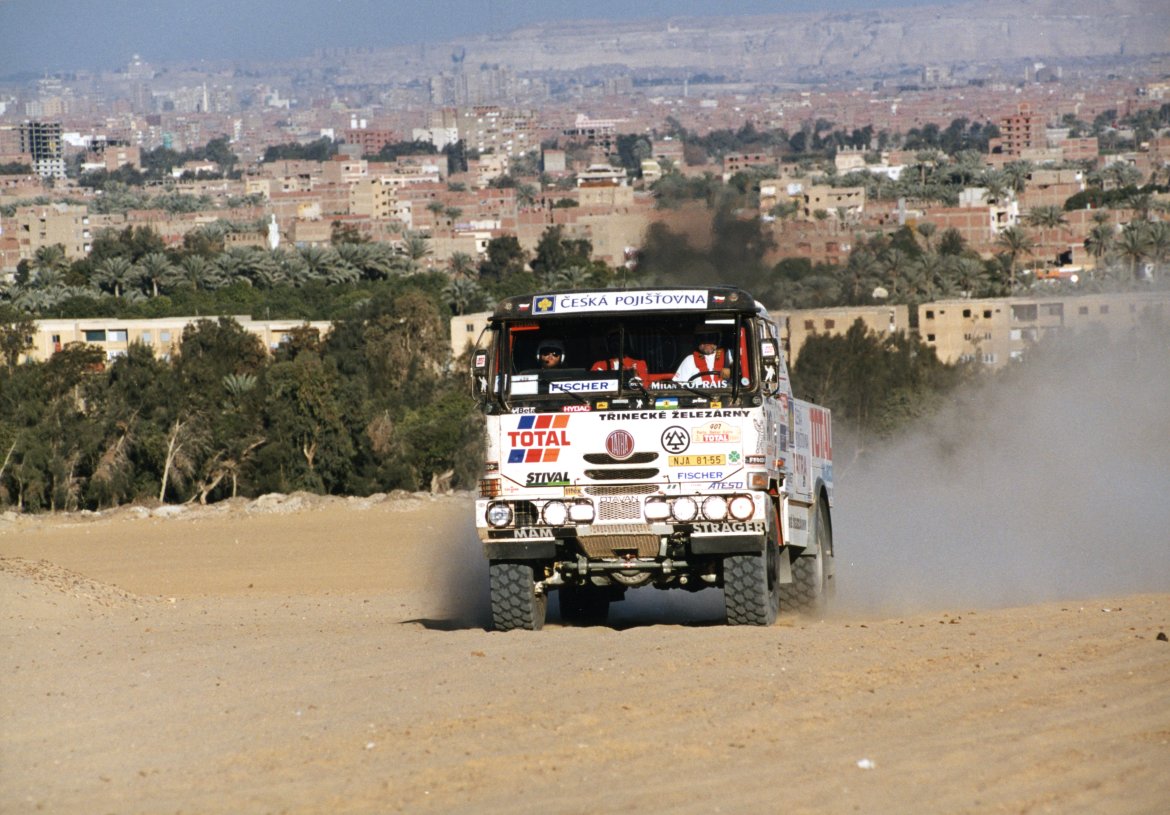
(550, 353)
(708, 363)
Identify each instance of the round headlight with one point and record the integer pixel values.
(657, 509)
(582, 512)
(685, 509)
(499, 515)
(742, 507)
(555, 513)
(715, 508)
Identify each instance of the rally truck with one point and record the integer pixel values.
(648, 437)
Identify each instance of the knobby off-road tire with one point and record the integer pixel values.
(812, 585)
(584, 605)
(751, 585)
(515, 602)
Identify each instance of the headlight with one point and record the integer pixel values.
(685, 509)
(742, 507)
(499, 515)
(581, 512)
(555, 513)
(657, 509)
(715, 508)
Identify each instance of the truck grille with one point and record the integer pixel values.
(622, 474)
(622, 489)
(619, 509)
(609, 546)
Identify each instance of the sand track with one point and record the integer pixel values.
(298, 654)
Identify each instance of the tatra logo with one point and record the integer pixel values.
(675, 439)
(547, 479)
(619, 444)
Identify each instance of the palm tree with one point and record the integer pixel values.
(194, 272)
(1158, 240)
(49, 260)
(416, 247)
(461, 264)
(154, 268)
(1015, 242)
(115, 273)
(1133, 244)
(1046, 217)
(463, 293)
(1100, 241)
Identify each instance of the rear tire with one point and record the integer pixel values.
(812, 584)
(515, 601)
(751, 584)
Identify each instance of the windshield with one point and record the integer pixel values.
(583, 360)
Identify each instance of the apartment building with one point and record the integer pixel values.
(994, 332)
(114, 336)
(39, 226)
(43, 141)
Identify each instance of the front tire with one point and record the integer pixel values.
(515, 601)
(751, 584)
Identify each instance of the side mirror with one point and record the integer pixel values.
(770, 363)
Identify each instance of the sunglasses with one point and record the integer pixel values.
(544, 352)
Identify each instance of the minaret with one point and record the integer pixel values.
(273, 233)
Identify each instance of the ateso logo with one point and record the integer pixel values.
(547, 479)
(675, 439)
(538, 438)
(619, 444)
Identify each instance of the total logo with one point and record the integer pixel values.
(538, 439)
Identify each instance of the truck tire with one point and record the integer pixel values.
(515, 601)
(584, 604)
(811, 586)
(751, 585)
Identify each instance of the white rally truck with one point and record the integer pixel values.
(648, 437)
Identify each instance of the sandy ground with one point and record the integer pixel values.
(306, 655)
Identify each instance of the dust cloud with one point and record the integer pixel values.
(1051, 482)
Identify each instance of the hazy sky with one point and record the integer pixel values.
(38, 35)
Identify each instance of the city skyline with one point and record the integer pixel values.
(216, 30)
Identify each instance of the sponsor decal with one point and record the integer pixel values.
(576, 409)
(670, 403)
(538, 439)
(820, 433)
(534, 532)
(699, 475)
(603, 405)
(733, 457)
(725, 485)
(716, 403)
(619, 444)
(716, 433)
(797, 523)
(709, 528)
(704, 460)
(681, 414)
(583, 386)
(480, 360)
(754, 459)
(523, 410)
(525, 385)
(675, 439)
(573, 492)
(491, 467)
(571, 302)
(553, 479)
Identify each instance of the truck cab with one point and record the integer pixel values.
(647, 437)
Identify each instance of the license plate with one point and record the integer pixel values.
(708, 460)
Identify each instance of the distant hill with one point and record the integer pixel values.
(795, 46)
